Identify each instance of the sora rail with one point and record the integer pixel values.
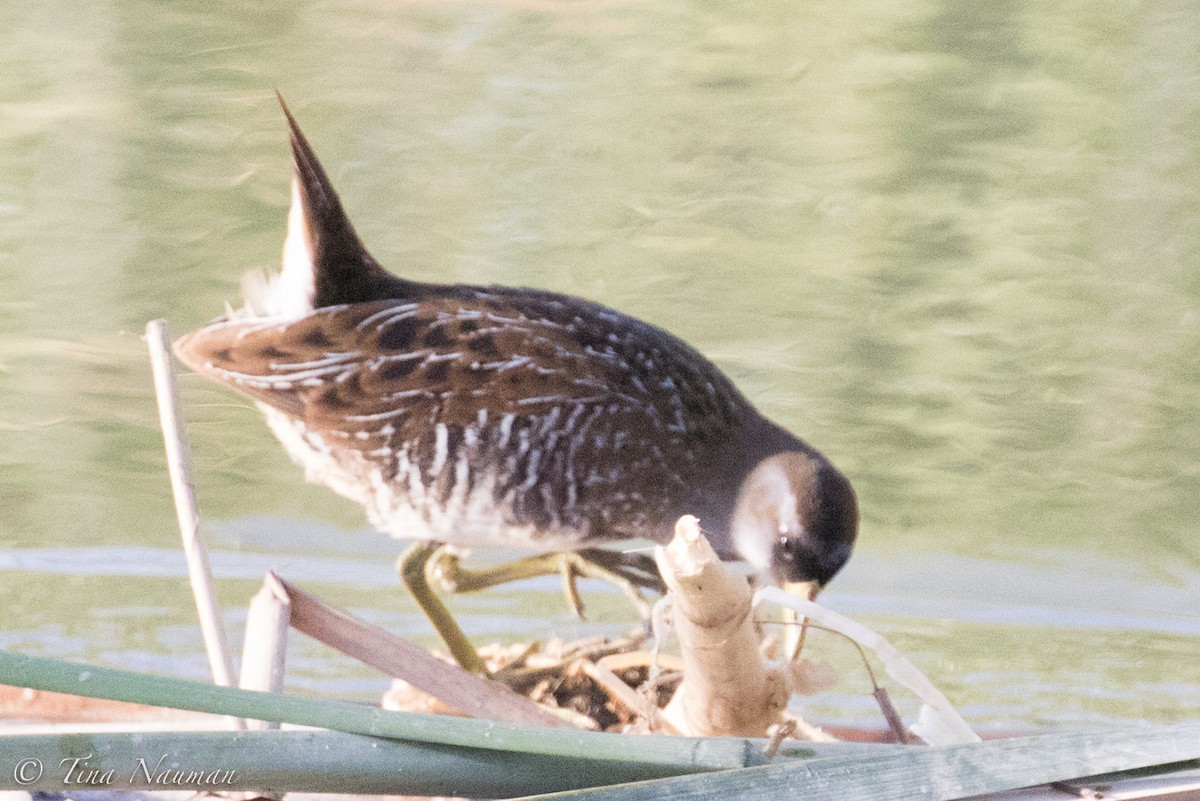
(502, 416)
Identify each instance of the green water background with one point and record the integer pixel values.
(954, 245)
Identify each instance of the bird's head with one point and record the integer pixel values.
(796, 519)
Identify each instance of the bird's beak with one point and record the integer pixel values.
(803, 589)
(796, 625)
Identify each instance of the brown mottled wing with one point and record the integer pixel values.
(565, 399)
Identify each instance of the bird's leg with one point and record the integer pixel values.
(413, 564)
(637, 567)
(593, 563)
(627, 572)
(570, 586)
(446, 572)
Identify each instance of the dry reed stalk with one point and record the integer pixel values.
(468, 693)
(264, 651)
(727, 688)
(179, 467)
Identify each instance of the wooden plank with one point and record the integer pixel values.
(1161, 783)
(679, 754)
(931, 774)
(472, 695)
(285, 761)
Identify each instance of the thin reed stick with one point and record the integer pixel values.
(179, 466)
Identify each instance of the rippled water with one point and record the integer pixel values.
(953, 245)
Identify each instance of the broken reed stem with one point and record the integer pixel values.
(264, 650)
(179, 467)
(939, 723)
(880, 694)
(727, 688)
(890, 714)
(469, 693)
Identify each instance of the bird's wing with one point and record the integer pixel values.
(360, 366)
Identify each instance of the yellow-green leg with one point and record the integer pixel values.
(624, 571)
(412, 566)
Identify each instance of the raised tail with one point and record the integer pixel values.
(324, 261)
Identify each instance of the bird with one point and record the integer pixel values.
(484, 416)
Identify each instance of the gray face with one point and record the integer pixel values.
(796, 519)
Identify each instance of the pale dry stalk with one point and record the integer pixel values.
(727, 689)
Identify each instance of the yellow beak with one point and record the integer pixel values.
(796, 625)
(803, 589)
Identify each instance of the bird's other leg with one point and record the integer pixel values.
(627, 572)
(413, 567)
